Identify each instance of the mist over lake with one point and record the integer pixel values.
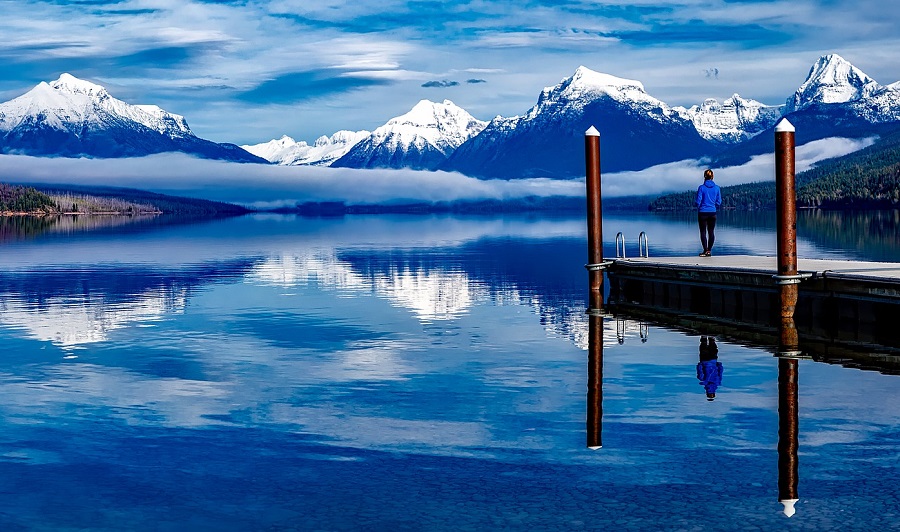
(271, 186)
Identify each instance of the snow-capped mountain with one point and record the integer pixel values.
(836, 100)
(832, 80)
(637, 129)
(326, 150)
(72, 117)
(733, 121)
(421, 139)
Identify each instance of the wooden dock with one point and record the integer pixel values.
(840, 300)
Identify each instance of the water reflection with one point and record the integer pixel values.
(430, 294)
(789, 352)
(428, 371)
(788, 415)
(71, 307)
(709, 369)
(17, 228)
(595, 382)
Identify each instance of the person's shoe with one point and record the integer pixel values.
(702, 253)
(707, 254)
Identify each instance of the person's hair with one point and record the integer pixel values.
(708, 174)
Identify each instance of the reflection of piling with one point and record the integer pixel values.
(788, 419)
(595, 382)
(594, 216)
(785, 197)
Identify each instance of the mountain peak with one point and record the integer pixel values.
(421, 139)
(585, 77)
(586, 86)
(832, 79)
(69, 83)
(428, 115)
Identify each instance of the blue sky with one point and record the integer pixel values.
(248, 71)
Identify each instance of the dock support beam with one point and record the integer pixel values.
(594, 217)
(786, 206)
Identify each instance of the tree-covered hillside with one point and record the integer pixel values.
(70, 199)
(24, 199)
(869, 178)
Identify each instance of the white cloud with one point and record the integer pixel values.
(229, 48)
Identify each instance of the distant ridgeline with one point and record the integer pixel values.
(17, 199)
(866, 179)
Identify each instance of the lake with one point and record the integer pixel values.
(409, 373)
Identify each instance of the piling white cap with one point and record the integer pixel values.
(595, 447)
(789, 506)
(784, 126)
(592, 132)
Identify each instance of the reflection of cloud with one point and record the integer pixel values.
(70, 321)
(124, 395)
(379, 361)
(433, 436)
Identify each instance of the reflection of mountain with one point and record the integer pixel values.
(435, 286)
(71, 306)
(488, 269)
(434, 294)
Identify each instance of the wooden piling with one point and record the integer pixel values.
(594, 217)
(786, 216)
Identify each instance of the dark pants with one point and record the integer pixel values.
(707, 222)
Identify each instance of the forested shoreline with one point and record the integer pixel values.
(82, 200)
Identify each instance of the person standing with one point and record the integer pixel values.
(709, 197)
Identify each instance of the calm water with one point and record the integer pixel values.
(416, 373)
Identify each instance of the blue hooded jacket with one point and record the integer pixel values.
(709, 197)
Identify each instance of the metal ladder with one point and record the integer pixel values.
(643, 245)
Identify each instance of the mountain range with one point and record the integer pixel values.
(71, 117)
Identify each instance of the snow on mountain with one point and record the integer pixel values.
(733, 121)
(74, 117)
(832, 79)
(585, 86)
(326, 150)
(421, 139)
(70, 101)
(638, 131)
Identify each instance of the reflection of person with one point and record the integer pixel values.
(709, 197)
(709, 369)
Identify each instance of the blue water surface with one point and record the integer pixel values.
(405, 373)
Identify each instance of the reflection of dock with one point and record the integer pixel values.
(842, 300)
(787, 348)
